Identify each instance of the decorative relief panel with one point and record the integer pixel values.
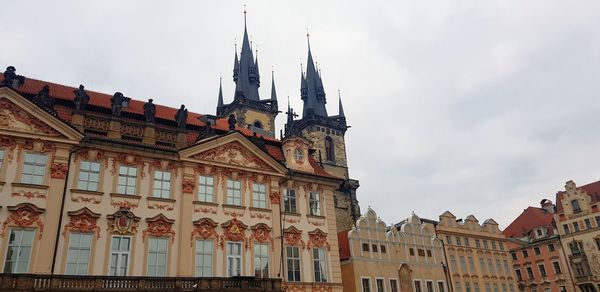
(129, 160)
(24, 215)
(204, 228)
(39, 145)
(59, 170)
(187, 186)
(293, 236)
(123, 222)
(29, 194)
(233, 153)
(318, 238)
(159, 226)
(205, 210)
(97, 123)
(275, 197)
(166, 165)
(234, 230)
(83, 220)
(9, 145)
(261, 233)
(92, 155)
(12, 116)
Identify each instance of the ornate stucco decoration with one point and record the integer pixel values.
(293, 236)
(261, 233)
(288, 287)
(83, 220)
(275, 197)
(39, 145)
(129, 160)
(12, 116)
(234, 230)
(233, 153)
(29, 194)
(59, 170)
(123, 222)
(204, 228)
(159, 226)
(318, 238)
(187, 186)
(9, 144)
(166, 165)
(24, 215)
(92, 155)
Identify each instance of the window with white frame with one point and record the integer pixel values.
(119, 255)
(314, 204)
(234, 192)
(289, 201)
(430, 286)
(157, 257)
(34, 168)
(380, 285)
(293, 263)
(206, 189)
(366, 284)
(320, 267)
(488, 287)
(476, 286)
(162, 184)
(261, 260)
(78, 257)
(467, 286)
(234, 259)
(89, 175)
(127, 180)
(1, 157)
(204, 258)
(394, 285)
(440, 286)
(18, 252)
(458, 286)
(417, 286)
(298, 154)
(259, 195)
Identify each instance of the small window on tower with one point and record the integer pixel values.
(329, 152)
(258, 124)
(298, 154)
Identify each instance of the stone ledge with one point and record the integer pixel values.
(205, 203)
(160, 199)
(118, 195)
(31, 186)
(86, 192)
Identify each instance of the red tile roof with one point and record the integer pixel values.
(344, 245)
(531, 218)
(592, 189)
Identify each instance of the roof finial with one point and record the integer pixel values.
(244, 15)
(308, 38)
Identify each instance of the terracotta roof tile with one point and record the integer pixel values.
(529, 219)
(592, 189)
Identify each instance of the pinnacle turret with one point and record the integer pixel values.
(311, 89)
(247, 80)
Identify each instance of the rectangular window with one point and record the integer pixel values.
(206, 189)
(471, 265)
(519, 276)
(453, 264)
(551, 247)
(34, 168)
(234, 259)
(504, 288)
(542, 269)
(476, 286)
(485, 244)
(374, 247)
(119, 255)
(506, 268)
(393, 285)
(157, 257)
(588, 223)
(429, 253)
(411, 251)
(463, 264)
(493, 245)
(293, 265)
(477, 243)
(566, 228)
(448, 239)
(234, 192)
(289, 201)
(458, 286)
(458, 241)
(525, 254)
(495, 287)
(498, 266)
(440, 286)
(430, 286)
(514, 256)
(467, 286)
(556, 266)
(366, 284)
(421, 252)
(365, 247)
(501, 245)
(261, 260)
(597, 221)
(320, 267)
(379, 283)
(537, 251)
(575, 226)
(127, 180)
(487, 287)
(20, 243)
(204, 258)
(89, 175)
(1, 157)
(162, 184)
(482, 265)
(78, 258)
(490, 266)
(259, 195)
(382, 248)
(530, 273)
(314, 204)
(417, 286)
(467, 241)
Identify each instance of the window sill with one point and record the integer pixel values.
(292, 214)
(234, 206)
(31, 186)
(315, 216)
(260, 209)
(118, 195)
(156, 199)
(2, 183)
(86, 192)
(205, 203)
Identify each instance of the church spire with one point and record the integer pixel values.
(248, 80)
(220, 101)
(273, 92)
(311, 88)
(341, 108)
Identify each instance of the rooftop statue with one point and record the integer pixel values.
(11, 79)
(181, 117)
(81, 98)
(150, 111)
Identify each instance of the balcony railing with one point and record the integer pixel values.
(60, 283)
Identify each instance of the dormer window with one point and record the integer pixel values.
(539, 232)
(298, 154)
(575, 205)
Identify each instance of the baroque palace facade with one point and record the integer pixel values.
(118, 191)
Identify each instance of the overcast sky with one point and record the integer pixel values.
(477, 107)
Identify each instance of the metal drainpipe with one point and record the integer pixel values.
(62, 205)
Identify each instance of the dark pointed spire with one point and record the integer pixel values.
(236, 65)
(273, 92)
(256, 67)
(247, 81)
(220, 101)
(311, 88)
(341, 108)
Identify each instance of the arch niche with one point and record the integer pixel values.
(405, 277)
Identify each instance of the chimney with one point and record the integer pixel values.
(548, 206)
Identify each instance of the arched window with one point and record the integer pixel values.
(575, 205)
(258, 124)
(329, 152)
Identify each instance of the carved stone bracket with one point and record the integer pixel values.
(59, 170)
(187, 186)
(318, 238)
(275, 197)
(204, 228)
(24, 215)
(83, 220)
(293, 236)
(123, 222)
(159, 226)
